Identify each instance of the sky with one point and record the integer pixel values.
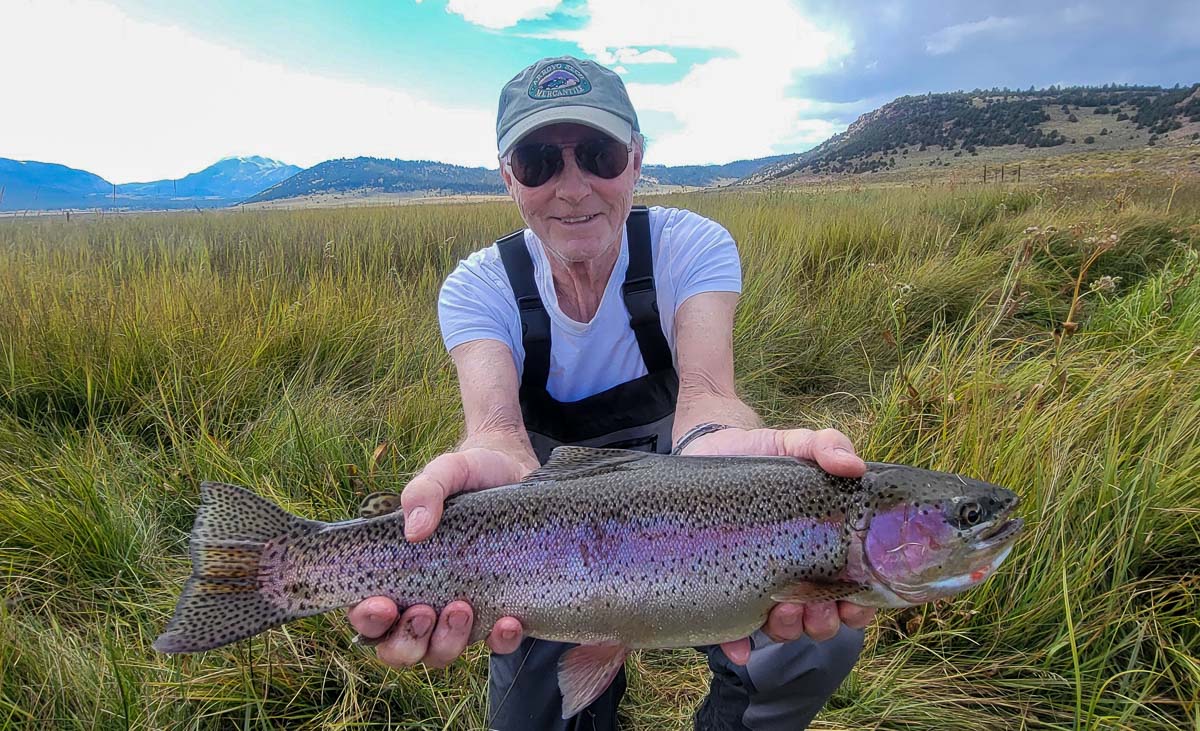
(139, 90)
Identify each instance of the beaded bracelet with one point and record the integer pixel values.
(699, 430)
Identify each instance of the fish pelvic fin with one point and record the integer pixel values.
(809, 592)
(222, 601)
(586, 671)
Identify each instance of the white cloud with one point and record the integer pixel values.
(735, 106)
(498, 14)
(131, 100)
(948, 39)
(633, 55)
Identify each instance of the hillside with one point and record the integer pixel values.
(369, 175)
(924, 130)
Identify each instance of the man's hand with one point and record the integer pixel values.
(421, 634)
(830, 449)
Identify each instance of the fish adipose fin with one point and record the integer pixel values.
(586, 671)
(221, 602)
(808, 592)
(570, 463)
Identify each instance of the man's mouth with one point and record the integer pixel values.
(573, 220)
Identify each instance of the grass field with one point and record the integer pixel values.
(1042, 338)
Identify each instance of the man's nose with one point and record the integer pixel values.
(572, 183)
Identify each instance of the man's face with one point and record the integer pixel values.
(578, 215)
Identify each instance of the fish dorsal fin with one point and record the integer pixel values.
(584, 672)
(808, 592)
(572, 463)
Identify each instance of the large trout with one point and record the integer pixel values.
(607, 548)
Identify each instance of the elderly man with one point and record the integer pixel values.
(603, 325)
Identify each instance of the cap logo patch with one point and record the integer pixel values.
(558, 80)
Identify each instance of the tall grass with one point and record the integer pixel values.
(297, 352)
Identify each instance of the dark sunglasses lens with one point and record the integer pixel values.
(533, 165)
(603, 158)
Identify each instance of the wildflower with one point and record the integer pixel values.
(1105, 284)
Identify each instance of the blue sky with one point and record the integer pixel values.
(141, 89)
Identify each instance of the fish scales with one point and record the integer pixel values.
(599, 558)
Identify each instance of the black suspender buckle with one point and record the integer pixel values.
(641, 301)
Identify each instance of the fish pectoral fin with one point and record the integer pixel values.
(809, 592)
(379, 503)
(584, 672)
(567, 463)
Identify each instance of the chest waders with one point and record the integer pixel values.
(784, 685)
(637, 414)
(523, 686)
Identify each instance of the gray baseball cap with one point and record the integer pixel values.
(564, 89)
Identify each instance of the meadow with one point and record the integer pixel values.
(1044, 337)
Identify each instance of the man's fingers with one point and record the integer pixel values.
(373, 616)
(505, 636)
(821, 620)
(451, 634)
(785, 622)
(409, 641)
(835, 454)
(738, 651)
(855, 616)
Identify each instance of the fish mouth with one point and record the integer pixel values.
(1002, 530)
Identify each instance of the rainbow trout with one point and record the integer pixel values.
(611, 549)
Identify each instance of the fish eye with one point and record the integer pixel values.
(970, 514)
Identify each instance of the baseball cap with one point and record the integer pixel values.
(564, 89)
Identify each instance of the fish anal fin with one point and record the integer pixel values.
(567, 463)
(809, 592)
(586, 671)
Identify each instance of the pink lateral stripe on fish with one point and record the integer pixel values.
(611, 549)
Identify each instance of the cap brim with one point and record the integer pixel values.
(600, 119)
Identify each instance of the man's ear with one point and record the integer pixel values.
(506, 176)
(637, 161)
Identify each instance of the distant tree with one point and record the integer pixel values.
(1103, 131)
(1072, 118)
(1122, 116)
(1089, 140)
(1101, 110)
(1196, 135)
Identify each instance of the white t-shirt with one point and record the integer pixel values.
(691, 254)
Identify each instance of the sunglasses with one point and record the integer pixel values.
(536, 163)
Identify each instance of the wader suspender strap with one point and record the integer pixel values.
(535, 321)
(637, 291)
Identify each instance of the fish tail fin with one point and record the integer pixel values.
(222, 601)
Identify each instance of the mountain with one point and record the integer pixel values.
(701, 176)
(28, 185)
(921, 130)
(369, 175)
(364, 176)
(230, 179)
